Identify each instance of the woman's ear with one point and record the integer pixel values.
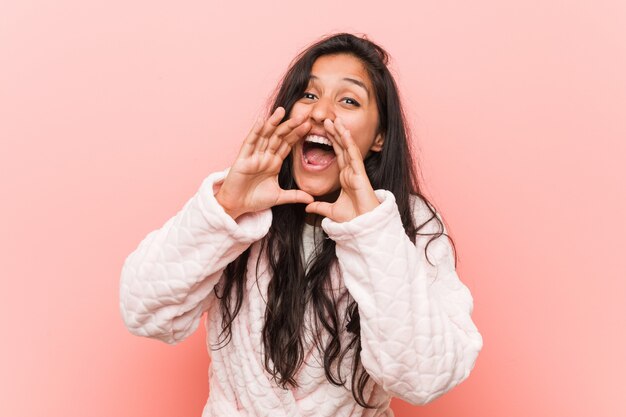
(377, 146)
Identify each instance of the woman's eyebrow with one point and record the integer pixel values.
(350, 80)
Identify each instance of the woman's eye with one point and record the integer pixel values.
(348, 100)
(352, 101)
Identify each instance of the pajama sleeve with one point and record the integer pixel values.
(417, 336)
(166, 282)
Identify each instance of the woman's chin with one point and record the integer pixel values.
(329, 197)
(320, 192)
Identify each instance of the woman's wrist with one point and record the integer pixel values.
(368, 204)
(231, 211)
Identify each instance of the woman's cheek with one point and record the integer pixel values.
(297, 109)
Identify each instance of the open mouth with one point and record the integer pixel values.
(317, 152)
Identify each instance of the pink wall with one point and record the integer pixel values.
(112, 112)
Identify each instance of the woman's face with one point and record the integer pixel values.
(339, 86)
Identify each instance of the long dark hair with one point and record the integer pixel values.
(291, 288)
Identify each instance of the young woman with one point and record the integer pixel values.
(327, 278)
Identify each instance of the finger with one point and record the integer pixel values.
(320, 207)
(261, 144)
(268, 129)
(354, 152)
(273, 121)
(354, 156)
(288, 141)
(340, 154)
(283, 150)
(339, 150)
(339, 126)
(330, 128)
(343, 132)
(294, 196)
(297, 133)
(284, 130)
(356, 160)
(249, 142)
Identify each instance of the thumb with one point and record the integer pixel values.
(293, 196)
(320, 207)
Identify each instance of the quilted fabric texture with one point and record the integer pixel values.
(418, 338)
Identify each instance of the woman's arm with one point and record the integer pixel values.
(417, 336)
(167, 280)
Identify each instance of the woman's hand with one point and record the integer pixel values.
(357, 195)
(252, 181)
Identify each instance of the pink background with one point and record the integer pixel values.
(112, 113)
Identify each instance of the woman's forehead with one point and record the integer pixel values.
(340, 65)
(340, 68)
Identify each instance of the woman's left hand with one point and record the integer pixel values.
(357, 195)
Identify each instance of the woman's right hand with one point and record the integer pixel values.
(252, 181)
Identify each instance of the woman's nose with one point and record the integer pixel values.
(322, 110)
